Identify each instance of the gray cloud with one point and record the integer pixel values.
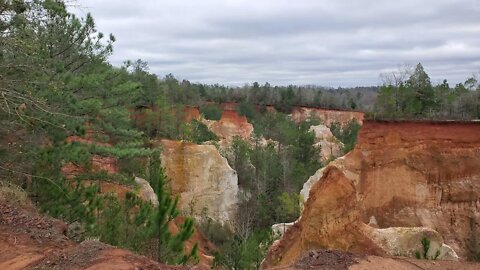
(331, 43)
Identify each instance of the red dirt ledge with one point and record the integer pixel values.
(31, 241)
(336, 260)
(424, 121)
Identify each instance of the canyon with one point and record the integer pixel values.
(402, 178)
(404, 181)
(198, 174)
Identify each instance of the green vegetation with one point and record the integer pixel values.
(425, 248)
(130, 222)
(55, 84)
(270, 174)
(411, 95)
(169, 247)
(246, 253)
(199, 133)
(211, 111)
(287, 100)
(246, 109)
(347, 135)
(284, 98)
(236, 251)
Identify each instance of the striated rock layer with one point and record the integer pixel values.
(330, 147)
(405, 174)
(327, 116)
(202, 178)
(231, 124)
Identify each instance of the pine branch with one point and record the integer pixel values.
(35, 176)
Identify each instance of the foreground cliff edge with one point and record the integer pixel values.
(409, 180)
(32, 241)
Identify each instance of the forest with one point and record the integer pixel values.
(56, 83)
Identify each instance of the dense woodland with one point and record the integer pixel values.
(56, 82)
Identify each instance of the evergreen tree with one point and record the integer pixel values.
(420, 82)
(287, 100)
(246, 109)
(211, 111)
(170, 247)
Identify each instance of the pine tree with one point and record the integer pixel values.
(170, 247)
(420, 82)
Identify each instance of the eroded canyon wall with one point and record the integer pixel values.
(326, 116)
(330, 147)
(231, 124)
(405, 174)
(202, 178)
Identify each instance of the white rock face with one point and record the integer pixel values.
(280, 228)
(447, 253)
(304, 193)
(329, 150)
(407, 241)
(146, 191)
(322, 132)
(330, 146)
(202, 178)
(373, 222)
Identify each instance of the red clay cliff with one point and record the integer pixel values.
(405, 174)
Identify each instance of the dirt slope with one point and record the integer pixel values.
(31, 241)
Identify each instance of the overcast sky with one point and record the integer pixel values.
(329, 43)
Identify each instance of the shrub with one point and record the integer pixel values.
(246, 109)
(211, 112)
(426, 246)
(347, 134)
(13, 194)
(198, 133)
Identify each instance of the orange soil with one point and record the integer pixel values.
(31, 241)
(406, 174)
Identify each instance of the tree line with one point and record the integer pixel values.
(410, 94)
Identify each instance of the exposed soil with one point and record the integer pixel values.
(339, 260)
(383, 263)
(31, 241)
(327, 259)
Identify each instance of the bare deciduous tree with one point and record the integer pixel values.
(398, 76)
